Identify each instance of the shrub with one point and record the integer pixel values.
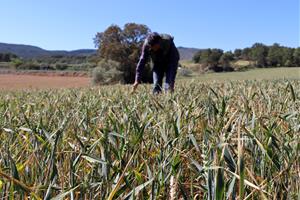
(61, 66)
(16, 62)
(228, 69)
(106, 73)
(29, 66)
(82, 67)
(184, 72)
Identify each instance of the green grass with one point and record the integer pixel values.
(208, 140)
(5, 65)
(255, 74)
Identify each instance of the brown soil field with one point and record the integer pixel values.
(19, 82)
(45, 73)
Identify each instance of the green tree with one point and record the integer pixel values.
(110, 44)
(205, 56)
(237, 53)
(134, 36)
(209, 58)
(296, 57)
(196, 57)
(274, 57)
(215, 56)
(259, 53)
(7, 57)
(123, 46)
(17, 62)
(226, 58)
(246, 53)
(287, 57)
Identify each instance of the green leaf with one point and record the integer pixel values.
(220, 184)
(242, 177)
(1, 185)
(231, 192)
(198, 166)
(193, 139)
(93, 159)
(229, 159)
(137, 189)
(292, 92)
(65, 194)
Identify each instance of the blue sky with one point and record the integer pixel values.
(226, 24)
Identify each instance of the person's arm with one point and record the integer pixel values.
(142, 62)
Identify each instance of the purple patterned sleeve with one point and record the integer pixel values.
(142, 62)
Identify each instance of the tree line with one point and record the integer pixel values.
(7, 57)
(119, 48)
(55, 62)
(259, 54)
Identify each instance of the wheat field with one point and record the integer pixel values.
(207, 140)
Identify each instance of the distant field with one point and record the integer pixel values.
(256, 74)
(15, 82)
(20, 81)
(4, 65)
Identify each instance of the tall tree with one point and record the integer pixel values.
(123, 46)
(287, 56)
(296, 57)
(259, 54)
(110, 44)
(214, 57)
(274, 57)
(226, 58)
(209, 58)
(196, 57)
(246, 53)
(134, 36)
(237, 53)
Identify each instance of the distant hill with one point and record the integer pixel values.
(187, 53)
(28, 51)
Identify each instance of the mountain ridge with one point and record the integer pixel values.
(30, 51)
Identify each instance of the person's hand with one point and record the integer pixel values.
(134, 87)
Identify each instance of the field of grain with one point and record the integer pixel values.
(18, 82)
(226, 140)
(24, 80)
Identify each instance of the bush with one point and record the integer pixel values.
(288, 63)
(29, 66)
(184, 72)
(228, 69)
(61, 66)
(82, 67)
(106, 73)
(215, 68)
(17, 62)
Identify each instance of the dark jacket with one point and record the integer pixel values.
(166, 56)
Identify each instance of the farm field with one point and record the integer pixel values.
(235, 139)
(80, 119)
(52, 81)
(18, 82)
(256, 74)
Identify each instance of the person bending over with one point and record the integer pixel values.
(165, 57)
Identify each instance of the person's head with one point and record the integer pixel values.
(154, 41)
